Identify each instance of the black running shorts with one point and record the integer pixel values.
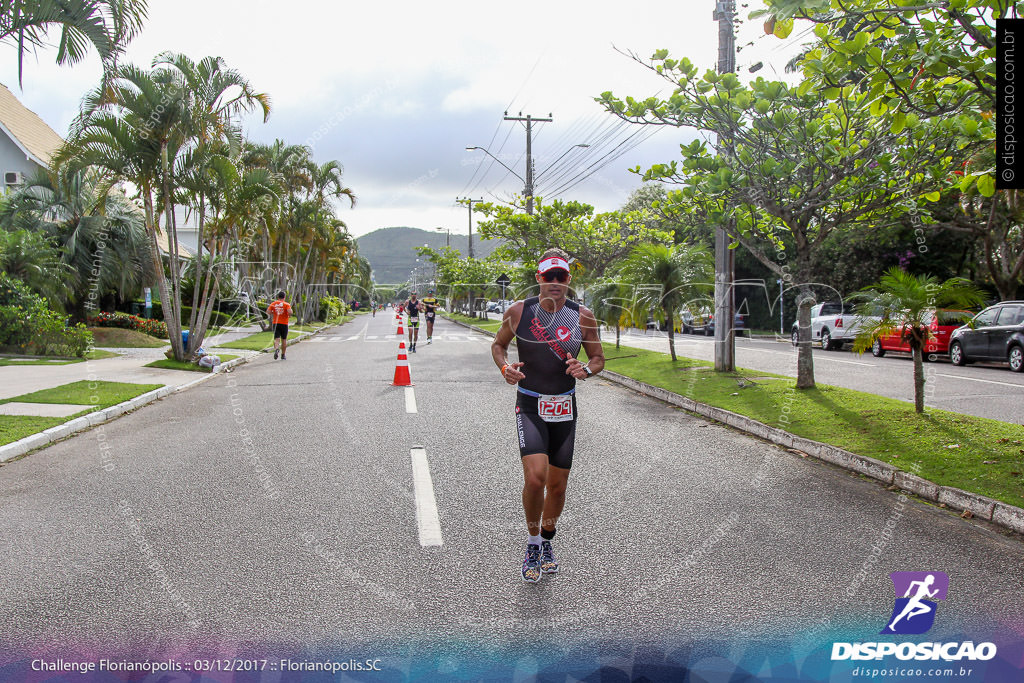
(414, 322)
(555, 439)
(281, 330)
(430, 317)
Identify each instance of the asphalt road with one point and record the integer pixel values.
(982, 389)
(276, 504)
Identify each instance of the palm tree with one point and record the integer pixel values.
(907, 301)
(149, 128)
(610, 302)
(665, 277)
(30, 257)
(107, 25)
(100, 234)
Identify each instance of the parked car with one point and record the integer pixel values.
(940, 327)
(832, 324)
(995, 334)
(703, 322)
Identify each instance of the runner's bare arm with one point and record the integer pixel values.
(591, 344)
(499, 348)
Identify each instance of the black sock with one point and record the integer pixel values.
(547, 535)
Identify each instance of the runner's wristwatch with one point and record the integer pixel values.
(586, 367)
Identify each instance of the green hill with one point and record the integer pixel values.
(392, 251)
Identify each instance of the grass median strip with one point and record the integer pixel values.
(971, 453)
(489, 325)
(97, 395)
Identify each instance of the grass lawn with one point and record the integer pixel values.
(96, 395)
(116, 337)
(971, 453)
(491, 325)
(40, 361)
(14, 427)
(171, 364)
(95, 354)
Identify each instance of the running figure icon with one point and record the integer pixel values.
(916, 595)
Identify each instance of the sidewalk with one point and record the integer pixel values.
(127, 367)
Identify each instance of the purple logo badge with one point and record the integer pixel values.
(916, 593)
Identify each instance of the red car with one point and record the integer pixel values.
(939, 327)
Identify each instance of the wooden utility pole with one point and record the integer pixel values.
(725, 338)
(530, 120)
(469, 204)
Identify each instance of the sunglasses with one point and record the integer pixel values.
(555, 276)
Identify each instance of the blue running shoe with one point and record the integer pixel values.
(548, 563)
(531, 564)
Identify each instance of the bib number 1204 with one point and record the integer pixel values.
(555, 408)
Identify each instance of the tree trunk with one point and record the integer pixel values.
(173, 326)
(918, 378)
(805, 356)
(618, 329)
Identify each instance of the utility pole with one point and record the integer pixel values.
(725, 339)
(469, 204)
(530, 120)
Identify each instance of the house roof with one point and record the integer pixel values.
(30, 133)
(164, 243)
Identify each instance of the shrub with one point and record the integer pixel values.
(217, 318)
(331, 308)
(154, 328)
(27, 325)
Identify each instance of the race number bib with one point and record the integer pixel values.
(554, 408)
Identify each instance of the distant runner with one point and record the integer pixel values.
(280, 312)
(413, 307)
(429, 310)
(549, 330)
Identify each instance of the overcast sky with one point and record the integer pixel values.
(396, 91)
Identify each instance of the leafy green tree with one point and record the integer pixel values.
(666, 277)
(908, 301)
(925, 59)
(595, 242)
(789, 167)
(107, 25)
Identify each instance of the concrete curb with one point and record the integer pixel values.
(999, 513)
(79, 424)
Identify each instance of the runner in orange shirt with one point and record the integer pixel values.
(280, 311)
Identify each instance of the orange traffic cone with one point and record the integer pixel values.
(402, 378)
(401, 334)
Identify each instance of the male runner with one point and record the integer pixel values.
(280, 311)
(413, 307)
(429, 309)
(549, 330)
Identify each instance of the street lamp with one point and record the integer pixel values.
(448, 239)
(470, 149)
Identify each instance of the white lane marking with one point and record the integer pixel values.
(410, 400)
(426, 505)
(974, 379)
(848, 362)
(354, 336)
